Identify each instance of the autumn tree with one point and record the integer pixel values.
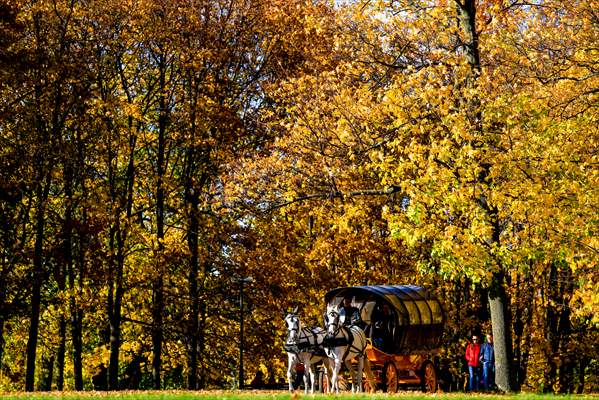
(50, 87)
(154, 153)
(431, 110)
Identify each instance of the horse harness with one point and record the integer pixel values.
(346, 340)
(304, 346)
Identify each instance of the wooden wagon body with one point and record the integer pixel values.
(417, 328)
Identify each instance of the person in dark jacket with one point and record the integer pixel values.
(349, 314)
(100, 379)
(382, 327)
(258, 381)
(473, 358)
(487, 359)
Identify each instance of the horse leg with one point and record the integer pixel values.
(327, 364)
(351, 373)
(359, 373)
(336, 369)
(310, 375)
(369, 376)
(307, 374)
(290, 364)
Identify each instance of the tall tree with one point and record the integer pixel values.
(55, 69)
(426, 81)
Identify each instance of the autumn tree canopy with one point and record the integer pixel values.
(155, 152)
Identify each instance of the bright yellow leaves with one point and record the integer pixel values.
(490, 171)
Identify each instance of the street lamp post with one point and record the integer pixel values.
(242, 282)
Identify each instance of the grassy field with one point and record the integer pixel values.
(277, 395)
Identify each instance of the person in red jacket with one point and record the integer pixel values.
(472, 356)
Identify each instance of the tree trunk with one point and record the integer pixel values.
(3, 311)
(522, 318)
(115, 291)
(551, 332)
(526, 347)
(38, 277)
(9, 219)
(48, 370)
(565, 373)
(77, 317)
(192, 239)
(115, 344)
(501, 334)
(76, 333)
(66, 266)
(115, 315)
(582, 368)
(61, 353)
(1, 340)
(559, 375)
(113, 366)
(157, 285)
(202, 345)
(118, 240)
(158, 305)
(498, 302)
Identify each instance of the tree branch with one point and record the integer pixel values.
(389, 190)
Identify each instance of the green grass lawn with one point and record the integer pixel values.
(276, 395)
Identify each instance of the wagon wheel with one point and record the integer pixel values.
(429, 377)
(390, 378)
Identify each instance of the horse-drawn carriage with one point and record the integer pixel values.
(414, 325)
(394, 337)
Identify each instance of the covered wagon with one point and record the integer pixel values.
(404, 326)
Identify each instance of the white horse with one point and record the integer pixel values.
(302, 347)
(342, 344)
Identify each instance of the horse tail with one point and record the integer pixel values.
(369, 375)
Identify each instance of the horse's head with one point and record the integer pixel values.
(332, 321)
(293, 325)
